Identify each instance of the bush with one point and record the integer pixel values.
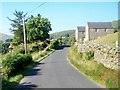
(38, 46)
(35, 48)
(12, 64)
(14, 43)
(22, 51)
(89, 55)
(54, 44)
(44, 44)
(8, 40)
(4, 48)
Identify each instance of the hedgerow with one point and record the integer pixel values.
(12, 64)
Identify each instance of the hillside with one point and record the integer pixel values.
(3, 37)
(67, 33)
(109, 39)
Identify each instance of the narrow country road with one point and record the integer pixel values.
(56, 72)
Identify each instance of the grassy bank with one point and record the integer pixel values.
(109, 39)
(105, 76)
(12, 82)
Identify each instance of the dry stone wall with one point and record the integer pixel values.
(106, 55)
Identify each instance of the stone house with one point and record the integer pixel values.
(80, 33)
(93, 30)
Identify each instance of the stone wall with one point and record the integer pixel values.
(106, 55)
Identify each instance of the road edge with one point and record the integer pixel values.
(86, 75)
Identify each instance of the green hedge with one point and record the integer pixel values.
(12, 64)
(54, 44)
(14, 43)
(89, 55)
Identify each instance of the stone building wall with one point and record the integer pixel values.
(106, 55)
(76, 34)
(79, 34)
(87, 33)
(97, 33)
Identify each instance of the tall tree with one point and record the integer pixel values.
(17, 28)
(38, 28)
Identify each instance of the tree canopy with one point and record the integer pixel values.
(16, 26)
(38, 28)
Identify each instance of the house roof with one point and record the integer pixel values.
(81, 29)
(100, 25)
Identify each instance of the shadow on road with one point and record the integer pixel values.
(35, 71)
(62, 47)
(26, 86)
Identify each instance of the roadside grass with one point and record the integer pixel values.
(12, 82)
(38, 56)
(96, 71)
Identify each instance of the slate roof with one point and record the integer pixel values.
(100, 25)
(81, 29)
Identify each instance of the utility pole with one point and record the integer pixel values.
(23, 19)
(25, 46)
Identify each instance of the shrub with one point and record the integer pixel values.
(4, 48)
(89, 55)
(12, 64)
(35, 48)
(54, 44)
(8, 40)
(44, 44)
(22, 51)
(14, 43)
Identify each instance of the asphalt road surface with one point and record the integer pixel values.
(56, 72)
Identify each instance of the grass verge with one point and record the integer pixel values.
(12, 82)
(104, 76)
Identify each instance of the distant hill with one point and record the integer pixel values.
(4, 37)
(66, 33)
